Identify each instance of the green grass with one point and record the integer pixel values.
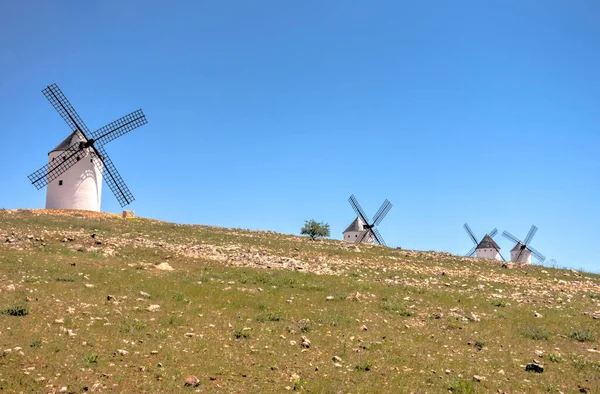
(240, 329)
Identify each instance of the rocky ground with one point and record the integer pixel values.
(94, 302)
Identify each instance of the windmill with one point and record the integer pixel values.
(487, 248)
(360, 230)
(522, 251)
(77, 165)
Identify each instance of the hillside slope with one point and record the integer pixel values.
(93, 302)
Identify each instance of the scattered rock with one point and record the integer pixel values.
(537, 314)
(128, 214)
(110, 298)
(153, 308)
(354, 296)
(479, 378)
(192, 381)
(144, 294)
(534, 367)
(363, 327)
(164, 267)
(305, 342)
(89, 285)
(337, 359)
(330, 298)
(122, 352)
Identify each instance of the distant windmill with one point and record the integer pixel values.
(487, 248)
(522, 251)
(360, 230)
(75, 183)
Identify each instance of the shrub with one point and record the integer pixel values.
(364, 366)
(299, 384)
(539, 333)
(462, 386)
(270, 316)
(180, 297)
(314, 229)
(130, 325)
(499, 303)
(555, 357)
(15, 310)
(237, 334)
(582, 335)
(65, 279)
(37, 343)
(479, 345)
(91, 358)
(594, 296)
(395, 307)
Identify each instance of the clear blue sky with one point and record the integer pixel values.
(265, 113)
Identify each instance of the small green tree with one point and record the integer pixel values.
(314, 229)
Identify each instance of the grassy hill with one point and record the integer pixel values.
(93, 302)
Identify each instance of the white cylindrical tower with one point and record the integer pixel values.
(80, 187)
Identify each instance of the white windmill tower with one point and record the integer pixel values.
(77, 165)
(79, 187)
(522, 251)
(360, 231)
(487, 248)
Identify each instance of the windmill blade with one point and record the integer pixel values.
(502, 257)
(58, 166)
(65, 109)
(471, 252)
(470, 233)
(519, 255)
(383, 211)
(119, 127)
(358, 209)
(508, 235)
(537, 254)
(362, 236)
(530, 234)
(378, 236)
(383, 204)
(493, 233)
(112, 177)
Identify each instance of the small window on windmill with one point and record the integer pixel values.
(59, 183)
(78, 158)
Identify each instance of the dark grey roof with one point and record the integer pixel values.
(70, 140)
(356, 225)
(488, 243)
(517, 247)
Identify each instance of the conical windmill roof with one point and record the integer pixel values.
(356, 225)
(517, 247)
(67, 142)
(488, 243)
